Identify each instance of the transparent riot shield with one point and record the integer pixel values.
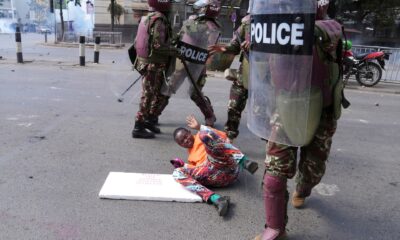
(283, 107)
(193, 43)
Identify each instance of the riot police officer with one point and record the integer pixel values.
(304, 94)
(154, 51)
(199, 31)
(238, 92)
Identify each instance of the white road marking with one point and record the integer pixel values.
(55, 88)
(326, 189)
(28, 124)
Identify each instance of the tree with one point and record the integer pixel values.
(41, 11)
(116, 12)
(61, 4)
(376, 14)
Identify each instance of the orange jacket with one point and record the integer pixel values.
(198, 154)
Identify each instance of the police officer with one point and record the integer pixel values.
(238, 93)
(326, 89)
(206, 12)
(154, 52)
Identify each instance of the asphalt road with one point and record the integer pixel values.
(62, 131)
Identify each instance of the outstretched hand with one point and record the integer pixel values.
(216, 49)
(245, 46)
(192, 122)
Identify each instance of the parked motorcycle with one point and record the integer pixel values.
(363, 66)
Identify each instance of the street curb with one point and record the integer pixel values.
(91, 45)
(381, 87)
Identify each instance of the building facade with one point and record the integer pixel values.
(135, 9)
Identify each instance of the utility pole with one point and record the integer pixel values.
(112, 15)
(12, 10)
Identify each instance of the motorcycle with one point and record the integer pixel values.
(363, 66)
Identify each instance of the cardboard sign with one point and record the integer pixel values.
(144, 186)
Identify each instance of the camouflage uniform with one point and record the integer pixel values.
(280, 162)
(204, 106)
(281, 159)
(154, 67)
(238, 93)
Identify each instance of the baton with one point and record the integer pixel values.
(121, 98)
(192, 79)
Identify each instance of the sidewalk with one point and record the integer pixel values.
(382, 86)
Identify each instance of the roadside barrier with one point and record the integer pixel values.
(82, 50)
(96, 49)
(111, 38)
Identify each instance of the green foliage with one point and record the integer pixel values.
(377, 13)
(58, 3)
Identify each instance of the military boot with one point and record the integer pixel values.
(275, 208)
(300, 194)
(149, 124)
(140, 131)
(154, 120)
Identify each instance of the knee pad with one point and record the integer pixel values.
(274, 184)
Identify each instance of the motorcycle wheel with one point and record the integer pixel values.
(369, 74)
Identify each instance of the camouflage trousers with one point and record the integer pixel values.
(281, 159)
(194, 96)
(237, 103)
(151, 92)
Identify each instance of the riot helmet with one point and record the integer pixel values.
(347, 45)
(160, 5)
(207, 8)
(322, 9)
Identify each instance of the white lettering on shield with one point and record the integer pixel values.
(193, 54)
(282, 33)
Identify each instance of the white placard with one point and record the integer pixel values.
(145, 186)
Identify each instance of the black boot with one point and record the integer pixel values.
(154, 121)
(222, 205)
(148, 124)
(140, 131)
(250, 166)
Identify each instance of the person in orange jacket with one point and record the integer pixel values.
(212, 161)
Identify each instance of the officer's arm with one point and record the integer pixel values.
(160, 45)
(234, 45)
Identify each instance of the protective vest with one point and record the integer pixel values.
(143, 41)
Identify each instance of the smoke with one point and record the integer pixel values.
(5, 26)
(82, 23)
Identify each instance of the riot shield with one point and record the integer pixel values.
(283, 107)
(193, 43)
